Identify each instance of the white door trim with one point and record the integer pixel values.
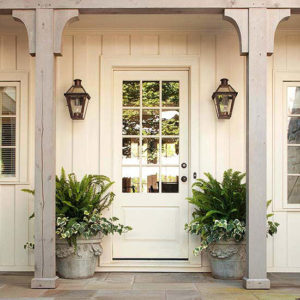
(108, 66)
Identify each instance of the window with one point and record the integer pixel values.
(150, 136)
(293, 144)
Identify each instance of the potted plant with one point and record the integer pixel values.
(219, 219)
(80, 224)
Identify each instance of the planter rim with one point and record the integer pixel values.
(230, 242)
(82, 240)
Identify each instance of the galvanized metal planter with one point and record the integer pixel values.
(79, 264)
(228, 259)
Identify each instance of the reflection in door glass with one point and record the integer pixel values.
(169, 179)
(150, 93)
(150, 180)
(150, 150)
(131, 122)
(293, 100)
(170, 122)
(130, 151)
(294, 130)
(131, 93)
(170, 151)
(293, 189)
(170, 93)
(150, 121)
(130, 180)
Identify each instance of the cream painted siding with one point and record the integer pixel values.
(15, 205)
(221, 142)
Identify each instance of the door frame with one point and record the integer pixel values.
(108, 65)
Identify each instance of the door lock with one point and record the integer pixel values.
(183, 165)
(184, 179)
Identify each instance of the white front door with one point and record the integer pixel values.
(151, 163)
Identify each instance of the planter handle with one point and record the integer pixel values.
(223, 253)
(98, 250)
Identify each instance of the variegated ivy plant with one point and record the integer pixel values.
(80, 206)
(220, 210)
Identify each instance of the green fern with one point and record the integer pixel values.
(214, 200)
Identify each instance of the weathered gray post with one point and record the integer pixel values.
(257, 28)
(44, 28)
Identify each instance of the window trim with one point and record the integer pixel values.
(279, 140)
(19, 79)
(15, 84)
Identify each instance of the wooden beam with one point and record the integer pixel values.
(45, 145)
(256, 27)
(256, 275)
(174, 4)
(147, 6)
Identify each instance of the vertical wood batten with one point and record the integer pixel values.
(64, 79)
(207, 109)
(237, 124)
(9, 50)
(45, 158)
(224, 68)
(80, 128)
(22, 52)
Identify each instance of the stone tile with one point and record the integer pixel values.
(129, 294)
(26, 298)
(16, 291)
(169, 277)
(224, 286)
(279, 290)
(228, 296)
(106, 285)
(183, 295)
(120, 277)
(163, 286)
(270, 296)
(69, 293)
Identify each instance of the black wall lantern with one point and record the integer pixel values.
(224, 98)
(77, 100)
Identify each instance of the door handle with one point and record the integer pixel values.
(183, 178)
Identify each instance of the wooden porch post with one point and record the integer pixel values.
(45, 36)
(257, 28)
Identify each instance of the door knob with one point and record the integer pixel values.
(184, 179)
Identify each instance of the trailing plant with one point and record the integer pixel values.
(220, 209)
(80, 205)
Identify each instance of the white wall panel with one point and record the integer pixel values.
(7, 225)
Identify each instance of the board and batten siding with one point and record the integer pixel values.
(222, 143)
(15, 205)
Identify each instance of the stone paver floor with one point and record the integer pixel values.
(132, 286)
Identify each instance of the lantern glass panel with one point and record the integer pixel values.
(225, 104)
(78, 107)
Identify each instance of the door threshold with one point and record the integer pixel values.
(150, 259)
(151, 266)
